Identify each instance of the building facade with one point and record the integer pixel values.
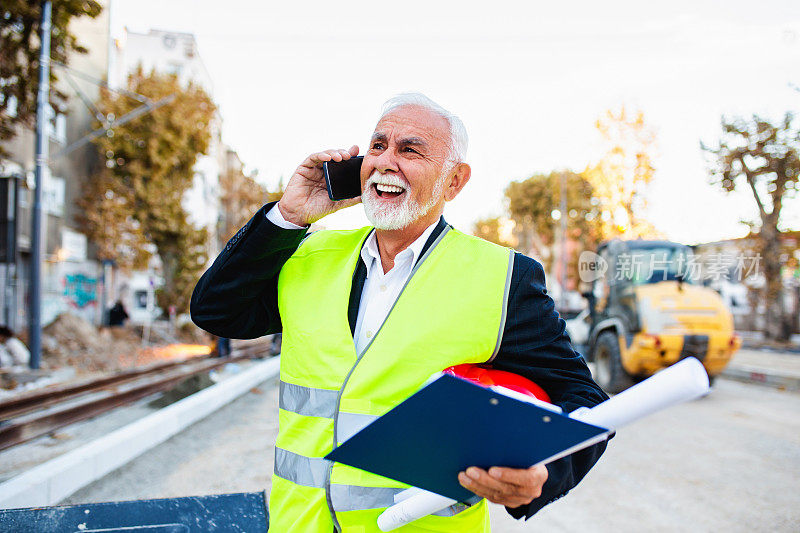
(177, 53)
(71, 279)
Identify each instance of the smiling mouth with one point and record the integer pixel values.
(388, 191)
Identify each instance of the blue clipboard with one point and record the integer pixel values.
(452, 424)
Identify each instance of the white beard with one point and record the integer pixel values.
(386, 216)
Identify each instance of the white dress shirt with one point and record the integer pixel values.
(380, 289)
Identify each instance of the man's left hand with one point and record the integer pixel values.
(511, 487)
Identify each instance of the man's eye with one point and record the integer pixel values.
(410, 150)
(377, 146)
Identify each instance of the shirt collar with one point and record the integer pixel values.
(371, 256)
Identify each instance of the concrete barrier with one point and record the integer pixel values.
(767, 377)
(55, 480)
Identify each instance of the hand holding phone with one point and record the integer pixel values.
(306, 199)
(343, 178)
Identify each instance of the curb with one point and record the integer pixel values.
(51, 482)
(763, 376)
(760, 346)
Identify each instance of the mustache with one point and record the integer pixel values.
(386, 179)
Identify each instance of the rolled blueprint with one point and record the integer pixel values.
(414, 507)
(681, 382)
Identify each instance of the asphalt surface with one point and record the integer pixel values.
(727, 462)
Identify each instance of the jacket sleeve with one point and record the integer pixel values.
(535, 345)
(237, 297)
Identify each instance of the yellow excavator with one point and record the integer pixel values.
(647, 311)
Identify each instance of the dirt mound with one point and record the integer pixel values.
(71, 333)
(72, 341)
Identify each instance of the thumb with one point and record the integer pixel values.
(354, 150)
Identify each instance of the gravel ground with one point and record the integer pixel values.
(728, 462)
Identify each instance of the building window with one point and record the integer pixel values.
(56, 126)
(174, 68)
(61, 128)
(11, 106)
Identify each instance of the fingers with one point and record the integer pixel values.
(506, 486)
(519, 476)
(481, 483)
(316, 160)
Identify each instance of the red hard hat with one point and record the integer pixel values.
(486, 377)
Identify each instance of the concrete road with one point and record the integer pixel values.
(728, 462)
(775, 361)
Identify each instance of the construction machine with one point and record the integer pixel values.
(647, 310)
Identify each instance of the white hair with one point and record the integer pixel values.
(458, 133)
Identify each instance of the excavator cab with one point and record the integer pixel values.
(647, 310)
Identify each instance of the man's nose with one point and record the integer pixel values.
(386, 162)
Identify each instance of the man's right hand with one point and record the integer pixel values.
(305, 199)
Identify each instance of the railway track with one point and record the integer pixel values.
(38, 413)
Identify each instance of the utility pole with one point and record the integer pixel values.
(42, 145)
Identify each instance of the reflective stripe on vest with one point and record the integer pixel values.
(454, 302)
(313, 472)
(306, 471)
(309, 401)
(348, 424)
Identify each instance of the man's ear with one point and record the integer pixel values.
(459, 177)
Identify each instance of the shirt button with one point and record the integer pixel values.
(383, 288)
(369, 334)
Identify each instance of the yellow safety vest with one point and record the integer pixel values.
(451, 311)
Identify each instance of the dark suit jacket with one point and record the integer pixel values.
(237, 298)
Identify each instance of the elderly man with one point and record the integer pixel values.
(369, 315)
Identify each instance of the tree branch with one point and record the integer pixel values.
(751, 180)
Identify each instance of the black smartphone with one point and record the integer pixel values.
(343, 178)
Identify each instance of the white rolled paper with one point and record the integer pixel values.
(681, 382)
(413, 508)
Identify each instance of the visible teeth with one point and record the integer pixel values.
(388, 188)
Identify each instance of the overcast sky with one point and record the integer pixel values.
(528, 78)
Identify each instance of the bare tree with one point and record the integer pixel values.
(762, 156)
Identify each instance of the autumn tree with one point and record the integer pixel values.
(240, 196)
(492, 229)
(532, 204)
(762, 157)
(619, 178)
(20, 27)
(106, 213)
(149, 167)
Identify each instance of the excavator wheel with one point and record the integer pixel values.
(609, 373)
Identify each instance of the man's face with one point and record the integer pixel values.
(403, 173)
